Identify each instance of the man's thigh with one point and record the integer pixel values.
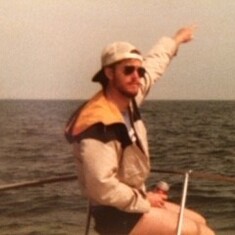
(161, 221)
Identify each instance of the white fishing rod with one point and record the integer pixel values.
(183, 202)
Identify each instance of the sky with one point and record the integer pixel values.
(50, 49)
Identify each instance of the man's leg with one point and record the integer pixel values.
(160, 221)
(190, 214)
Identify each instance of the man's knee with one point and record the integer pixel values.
(161, 221)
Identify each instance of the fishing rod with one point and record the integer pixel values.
(193, 174)
(183, 202)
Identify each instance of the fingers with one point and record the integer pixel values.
(158, 203)
(193, 29)
(185, 34)
(156, 199)
(161, 203)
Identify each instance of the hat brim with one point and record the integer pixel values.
(99, 76)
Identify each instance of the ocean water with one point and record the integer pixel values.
(183, 135)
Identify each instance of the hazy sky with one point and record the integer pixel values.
(50, 49)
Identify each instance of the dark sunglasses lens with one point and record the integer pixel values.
(141, 72)
(130, 69)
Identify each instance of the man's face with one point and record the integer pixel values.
(126, 77)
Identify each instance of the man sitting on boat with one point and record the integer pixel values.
(111, 148)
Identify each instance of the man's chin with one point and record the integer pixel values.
(130, 94)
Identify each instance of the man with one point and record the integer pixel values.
(110, 145)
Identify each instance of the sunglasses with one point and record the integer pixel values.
(129, 69)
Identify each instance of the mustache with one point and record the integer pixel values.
(134, 83)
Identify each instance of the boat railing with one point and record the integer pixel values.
(69, 177)
(187, 174)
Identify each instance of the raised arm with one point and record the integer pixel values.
(160, 56)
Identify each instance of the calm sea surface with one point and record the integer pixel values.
(182, 135)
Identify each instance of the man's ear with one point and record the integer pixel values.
(108, 73)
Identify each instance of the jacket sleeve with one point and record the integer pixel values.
(97, 166)
(155, 63)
